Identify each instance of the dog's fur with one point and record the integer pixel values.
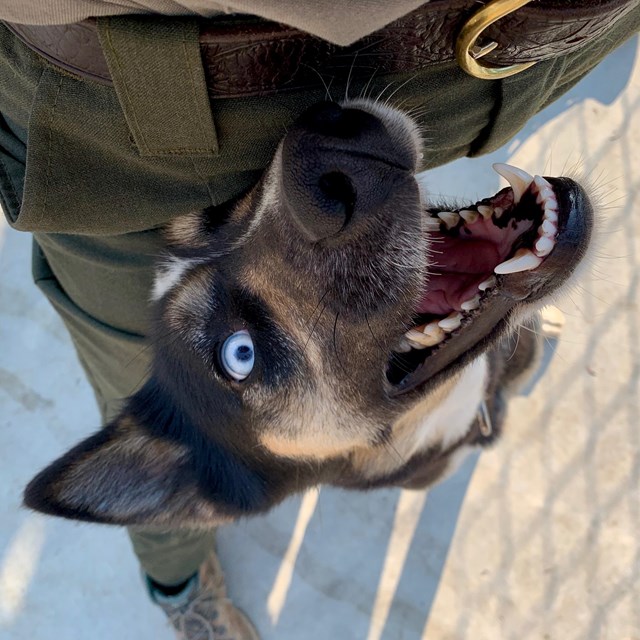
(195, 448)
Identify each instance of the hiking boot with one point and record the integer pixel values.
(202, 610)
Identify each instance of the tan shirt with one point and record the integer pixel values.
(341, 22)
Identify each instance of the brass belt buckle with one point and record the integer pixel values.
(468, 52)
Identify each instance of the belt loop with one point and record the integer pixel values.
(157, 72)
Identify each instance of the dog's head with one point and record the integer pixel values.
(308, 333)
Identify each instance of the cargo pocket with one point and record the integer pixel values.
(115, 361)
(13, 153)
(25, 154)
(84, 174)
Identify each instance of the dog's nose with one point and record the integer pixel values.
(339, 166)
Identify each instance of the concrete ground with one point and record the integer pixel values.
(535, 540)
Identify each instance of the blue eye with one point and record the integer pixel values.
(237, 355)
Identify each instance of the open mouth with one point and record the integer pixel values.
(486, 260)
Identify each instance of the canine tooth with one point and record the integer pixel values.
(487, 284)
(517, 178)
(431, 224)
(544, 245)
(485, 211)
(547, 228)
(498, 211)
(523, 260)
(420, 340)
(451, 322)
(450, 218)
(471, 304)
(469, 215)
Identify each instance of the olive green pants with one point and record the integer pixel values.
(94, 171)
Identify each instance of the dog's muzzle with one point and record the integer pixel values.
(454, 278)
(344, 173)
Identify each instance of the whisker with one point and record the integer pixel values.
(389, 445)
(327, 87)
(363, 93)
(387, 86)
(315, 324)
(413, 77)
(346, 91)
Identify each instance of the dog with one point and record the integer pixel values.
(333, 326)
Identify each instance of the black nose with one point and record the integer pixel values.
(339, 167)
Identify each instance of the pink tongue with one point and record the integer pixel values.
(459, 266)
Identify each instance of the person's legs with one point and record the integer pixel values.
(99, 286)
(95, 200)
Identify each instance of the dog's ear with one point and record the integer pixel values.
(127, 475)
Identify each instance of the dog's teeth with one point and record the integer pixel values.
(517, 178)
(450, 218)
(422, 337)
(404, 346)
(551, 209)
(469, 216)
(431, 224)
(541, 183)
(498, 211)
(543, 246)
(487, 284)
(419, 340)
(547, 228)
(485, 211)
(413, 342)
(451, 322)
(432, 329)
(471, 304)
(523, 260)
(546, 197)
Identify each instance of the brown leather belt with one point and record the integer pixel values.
(243, 56)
